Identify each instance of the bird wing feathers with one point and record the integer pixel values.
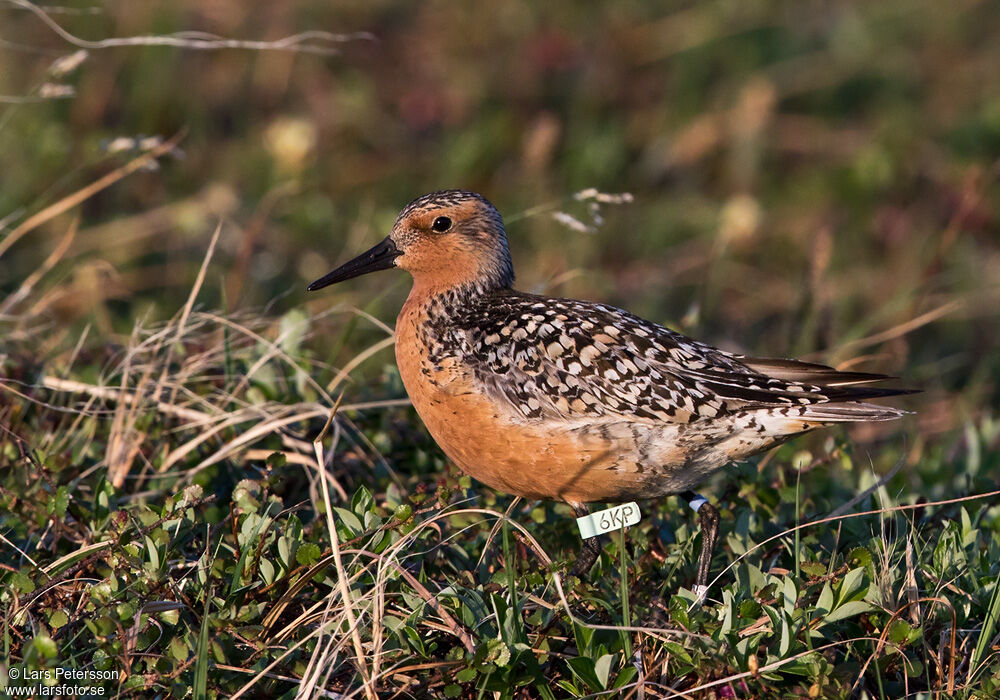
(575, 359)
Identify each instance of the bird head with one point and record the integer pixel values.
(445, 239)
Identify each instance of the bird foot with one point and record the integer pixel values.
(708, 518)
(588, 555)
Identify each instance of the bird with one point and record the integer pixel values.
(579, 401)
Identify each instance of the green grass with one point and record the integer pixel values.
(213, 485)
(227, 571)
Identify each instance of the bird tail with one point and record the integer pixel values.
(845, 393)
(849, 412)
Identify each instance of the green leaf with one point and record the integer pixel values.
(729, 614)
(497, 652)
(266, 571)
(789, 594)
(569, 687)
(583, 668)
(678, 650)
(584, 636)
(349, 519)
(58, 619)
(59, 502)
(45, 645)
(21, 582)
(989, 625)
(415, 641)
(749, 610)
(859, 557)
(152, 553)
(362, 500)
(852, 586)
(849, 609)
(812, 568)
(200, 683)
(403, 512)
(602, 668)
(178, 649)
(626, 676)
(308, 553)
(126, 611)
(900, 631)
(825, 602)
(285, 545)
(786, 637)
(969, 533)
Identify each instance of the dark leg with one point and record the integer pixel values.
(591, 546)
(708, 518)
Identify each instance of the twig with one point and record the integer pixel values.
(316, 42)
(429, 598)
(199, 280)
(112, 394)
(253, 434)
(901, 329)
(25, 289)
(358, 359)
(840, 510)
(345, 591)
(885, 635)
(910, 583)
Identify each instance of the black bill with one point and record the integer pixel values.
(378, 258)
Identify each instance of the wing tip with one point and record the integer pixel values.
(812, 373)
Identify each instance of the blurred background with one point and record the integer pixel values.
(806, 178)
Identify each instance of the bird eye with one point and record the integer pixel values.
(441, 224)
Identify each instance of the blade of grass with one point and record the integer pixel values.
(511, 566)
(54, 257)
(986, 634)
(199, 686)
(508, 557)
(798, 540)
(626, 610)
(345, 592)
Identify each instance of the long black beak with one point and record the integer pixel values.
(378, 258)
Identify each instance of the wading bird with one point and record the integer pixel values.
(578, 401)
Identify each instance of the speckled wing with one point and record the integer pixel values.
(574, 359)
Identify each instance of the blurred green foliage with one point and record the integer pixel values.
(803, 173)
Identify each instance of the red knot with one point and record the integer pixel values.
(574, 400)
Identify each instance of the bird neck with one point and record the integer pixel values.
(462, 276)
(448, 301)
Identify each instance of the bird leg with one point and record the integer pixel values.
(591, 546)
(708, 518)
